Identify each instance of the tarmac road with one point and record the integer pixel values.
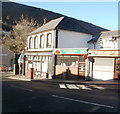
(40, 96)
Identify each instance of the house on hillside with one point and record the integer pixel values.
(105, 55)
(69, 36)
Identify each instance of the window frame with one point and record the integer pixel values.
(49, 39)
(31, 43)
(42, 38)
(36, 42)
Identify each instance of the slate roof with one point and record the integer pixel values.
(110, 33)
(71, 24)
(104, 34)
(48, 26)
(95, 38)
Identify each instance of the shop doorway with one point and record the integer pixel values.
(81, 67)
(117, 68)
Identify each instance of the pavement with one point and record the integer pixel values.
(54, 81)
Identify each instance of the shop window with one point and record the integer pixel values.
(35, 66)
(66, 61)
(74, 61)
(82, 58)
(38, 66)
(69, 60)
(59, 60)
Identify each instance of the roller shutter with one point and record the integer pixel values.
(103, 68)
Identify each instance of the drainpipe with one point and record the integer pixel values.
(94, 45)
(55, 56)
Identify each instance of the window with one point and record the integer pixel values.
(59, 59)
(74, 61)
(66, 60)
(35, 42)
(42, 41)
(30, 42)
(49, 40)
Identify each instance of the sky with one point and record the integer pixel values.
(103, 14)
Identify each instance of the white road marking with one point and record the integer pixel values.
(84, 87)
(62, 85)
(97, 87)
(83, 101)
(23, 88)
(72, 86)
(78, 86)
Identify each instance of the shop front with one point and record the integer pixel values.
(106, 64)
(41, 62)
(70, 63)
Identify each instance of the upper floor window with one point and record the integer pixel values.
(42, 41)
(31, 42)
(35, 42)
(49, 40)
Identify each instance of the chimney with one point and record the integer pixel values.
(45, 20)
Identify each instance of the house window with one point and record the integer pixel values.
(35, 42)
(30, 42)
(42, 41)
(49, 40)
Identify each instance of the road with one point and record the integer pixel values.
(24, 96)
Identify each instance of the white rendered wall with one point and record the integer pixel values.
(106, 44)
(69, 39)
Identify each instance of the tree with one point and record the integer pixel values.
(18, 38)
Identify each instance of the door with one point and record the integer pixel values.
(81, 67)
(117, 68)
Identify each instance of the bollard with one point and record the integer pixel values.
(46, 75)
(31, 72)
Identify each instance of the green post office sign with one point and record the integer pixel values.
(70, 51)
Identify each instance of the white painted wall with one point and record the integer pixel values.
(69, 39)
(106, 44)
(39, 34)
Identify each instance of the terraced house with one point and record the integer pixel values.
(58, 45)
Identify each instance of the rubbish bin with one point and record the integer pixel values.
(31, 72)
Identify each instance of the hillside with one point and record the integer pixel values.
(12, 12)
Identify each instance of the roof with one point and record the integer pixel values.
(110, 33)
(71, 24)
(95, 38)
(105, 34)
(48, 26)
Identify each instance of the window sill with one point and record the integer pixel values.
(42, 49)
